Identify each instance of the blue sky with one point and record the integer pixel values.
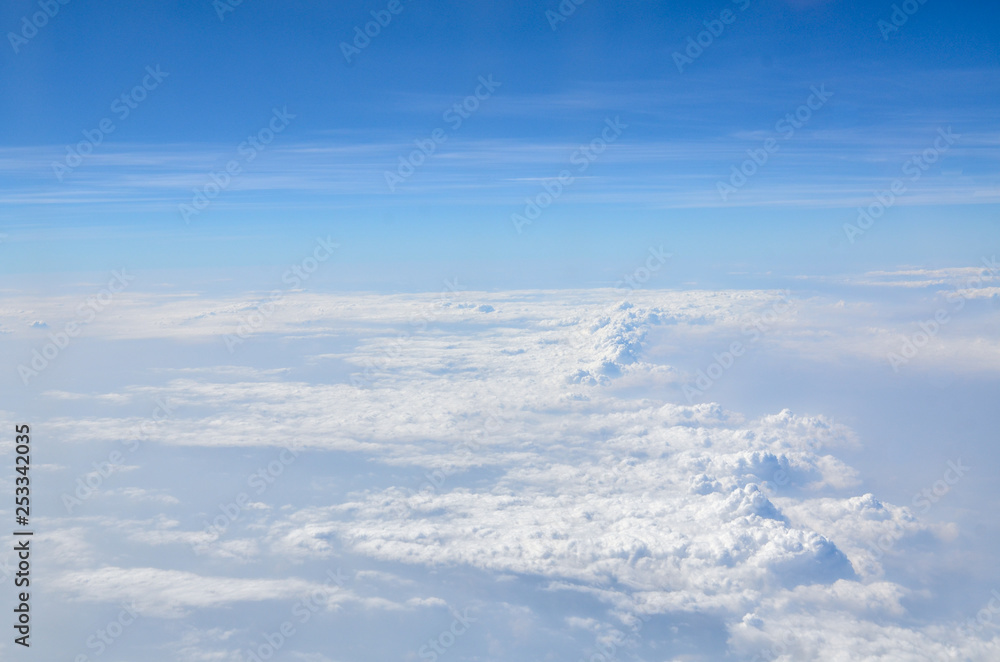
(656, 183)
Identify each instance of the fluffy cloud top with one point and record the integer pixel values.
(517, 435)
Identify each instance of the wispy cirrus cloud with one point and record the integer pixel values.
(820, 169)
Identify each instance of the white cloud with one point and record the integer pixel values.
(173, 593)
(532, 440)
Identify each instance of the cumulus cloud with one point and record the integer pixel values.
(516, 435)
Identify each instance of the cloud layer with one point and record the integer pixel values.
(533, 438)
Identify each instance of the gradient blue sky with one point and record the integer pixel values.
(656, 185)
